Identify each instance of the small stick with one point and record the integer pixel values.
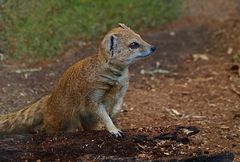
(235, 90)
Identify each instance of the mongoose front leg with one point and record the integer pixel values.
(116, 108)
(103, 115)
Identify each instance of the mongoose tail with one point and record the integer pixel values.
(23, 120)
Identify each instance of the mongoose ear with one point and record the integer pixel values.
(112, 44)
(123, 26)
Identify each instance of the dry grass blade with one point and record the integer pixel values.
(233, 88)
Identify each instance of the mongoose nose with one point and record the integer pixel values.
(153, 49)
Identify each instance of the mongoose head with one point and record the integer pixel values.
(123, 46)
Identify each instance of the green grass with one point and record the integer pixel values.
(40, 28)
(236, 58)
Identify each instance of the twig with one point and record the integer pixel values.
(19, 71)
(235, 90)
(156, 71)
(1, 57)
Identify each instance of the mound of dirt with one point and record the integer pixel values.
(170, 144)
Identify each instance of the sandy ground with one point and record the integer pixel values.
(200, 86)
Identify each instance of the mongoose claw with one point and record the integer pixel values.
(117, 134)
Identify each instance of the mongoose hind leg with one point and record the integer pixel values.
(51, 125)
(89, 121)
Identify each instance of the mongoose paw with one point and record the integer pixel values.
(117, 133)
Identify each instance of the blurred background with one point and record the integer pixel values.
(38, 29)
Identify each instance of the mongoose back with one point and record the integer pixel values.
(88, 92)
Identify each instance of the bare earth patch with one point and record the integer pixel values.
(198, 89)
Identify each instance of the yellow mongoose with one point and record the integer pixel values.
(86, 92)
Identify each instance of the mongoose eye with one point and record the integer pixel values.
(134, 45)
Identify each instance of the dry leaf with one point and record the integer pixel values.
(197, 57)
(230, 51)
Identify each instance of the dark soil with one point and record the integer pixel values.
(202, 89)
(171, 143)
